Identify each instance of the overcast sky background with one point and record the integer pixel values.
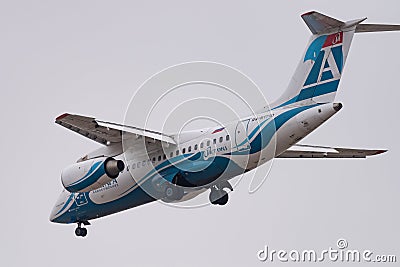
(88, 57)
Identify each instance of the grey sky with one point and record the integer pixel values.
(88, 57)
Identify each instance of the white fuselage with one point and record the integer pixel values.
(224, 152)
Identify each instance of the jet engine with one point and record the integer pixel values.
(91, 174)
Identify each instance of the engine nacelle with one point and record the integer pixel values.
(90, 174)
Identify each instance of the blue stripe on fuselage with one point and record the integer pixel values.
(139, 197)
(313, 91)
(265, 135)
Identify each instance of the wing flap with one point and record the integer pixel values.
(138, 131)
(307, 151)
(107, 133)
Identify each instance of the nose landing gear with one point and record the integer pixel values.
(81, 231)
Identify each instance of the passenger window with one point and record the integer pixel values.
(143, 163)
(227, 137)
(133, 165)
(189, 148)
(164, 156)
(195, 147)
(208, 142)
(201, 145)
(154, 159)
(171, 154)
(221, 139)
(214, 141)
(183, 150)
(159, 158)
(177, 152)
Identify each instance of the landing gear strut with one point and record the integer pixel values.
(218, 195)
(81, 231)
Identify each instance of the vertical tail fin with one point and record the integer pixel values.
(318, 74)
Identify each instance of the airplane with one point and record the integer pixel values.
(177, 167)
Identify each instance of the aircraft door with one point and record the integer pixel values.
(241, 137)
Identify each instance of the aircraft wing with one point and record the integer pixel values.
(107, 133)
(307, 151)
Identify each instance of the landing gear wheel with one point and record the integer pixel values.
(223, 200)
(80, 231)
(216, 195)
(173, 192)
(84, 232)
(213, 197)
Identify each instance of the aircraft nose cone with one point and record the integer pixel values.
(53, 213)
(65, 200)
(52, 217)
(337, 106)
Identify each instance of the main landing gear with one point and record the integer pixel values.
(218, 195)
(81, 231)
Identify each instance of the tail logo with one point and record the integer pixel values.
(326, 54)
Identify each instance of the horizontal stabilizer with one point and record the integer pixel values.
(319, 23)
(307, 151)
(377, 28)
